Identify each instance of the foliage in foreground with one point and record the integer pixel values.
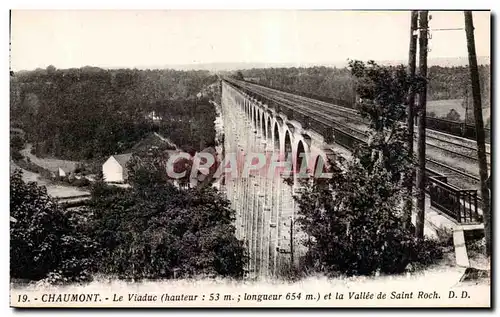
(44, 240)
(355, 219)
(168, 233)
(155, 230)
(152, 230)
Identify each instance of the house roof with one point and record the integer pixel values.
(123, 159)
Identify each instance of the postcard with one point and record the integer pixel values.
(285, 158)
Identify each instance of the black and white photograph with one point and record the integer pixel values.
(250, 158)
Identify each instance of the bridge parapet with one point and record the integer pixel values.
(280, 108)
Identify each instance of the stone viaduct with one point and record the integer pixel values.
(266, 211)
(307, 134)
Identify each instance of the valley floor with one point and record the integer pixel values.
(53, 190)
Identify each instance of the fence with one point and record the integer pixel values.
(459, 204)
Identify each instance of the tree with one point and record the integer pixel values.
(51, 69)
(453, 115)
(16, 145)
(154, 230)
(355, 218)
(44, 240)
(239, 75)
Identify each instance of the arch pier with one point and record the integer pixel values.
(264, 204)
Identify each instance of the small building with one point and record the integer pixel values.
(114, 170)
(61, 172)
(153, 116)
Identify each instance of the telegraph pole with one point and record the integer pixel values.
(478, 118)
(422, 101)
(412, 60)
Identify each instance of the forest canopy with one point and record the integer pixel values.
(86, 113)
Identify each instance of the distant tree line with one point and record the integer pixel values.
(321, 81)
(86, 113)
(454, 83)
(444, 82)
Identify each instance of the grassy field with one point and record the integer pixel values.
(442, 107)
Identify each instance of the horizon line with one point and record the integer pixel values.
(183, 66)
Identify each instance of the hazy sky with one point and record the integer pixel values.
(155, 38)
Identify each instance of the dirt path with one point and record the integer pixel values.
(48, 163)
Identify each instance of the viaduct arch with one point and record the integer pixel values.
(265, 209)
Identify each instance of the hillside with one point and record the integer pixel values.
(89, 112)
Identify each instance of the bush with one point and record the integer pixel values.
(155, 230)
(44, 239)
(355, 222)
(476, 246)
(427, 252)
(16, 155)
(82, 182)
(17, 143)
(356, 217)
(444, 236)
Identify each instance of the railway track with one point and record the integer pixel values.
(349, 121)
(348, 115)
(463, 151)
(458, 175)
(345, 122)
(351, 116)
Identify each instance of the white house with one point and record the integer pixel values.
(153, 116)
(61, 172)
(114, 170)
